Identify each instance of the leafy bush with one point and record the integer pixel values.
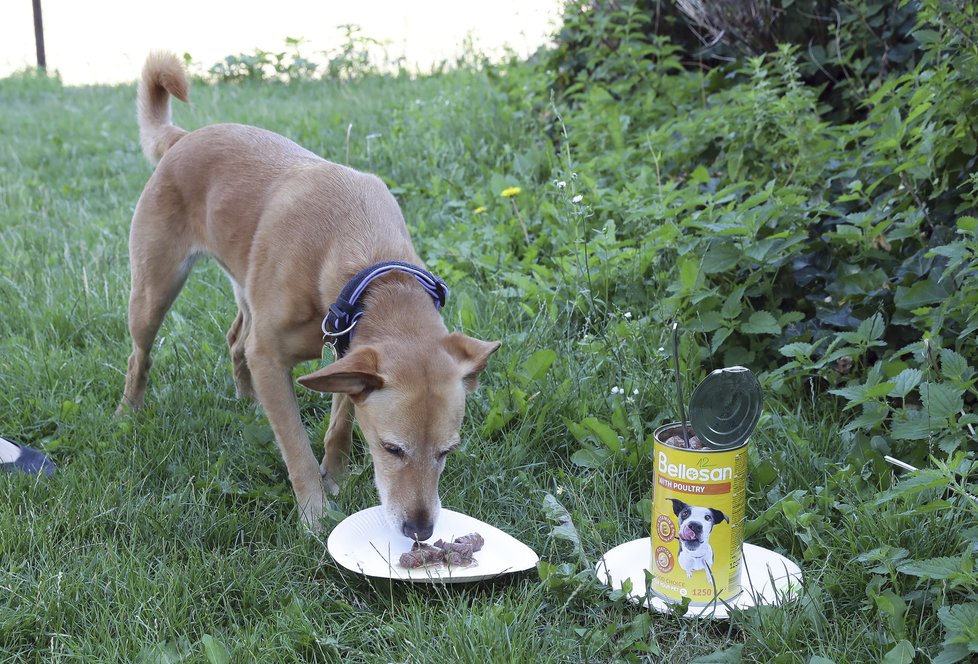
(284, 66)
(355, 58)
(846, 47)
(776, 232)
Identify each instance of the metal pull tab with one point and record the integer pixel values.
(725, 407)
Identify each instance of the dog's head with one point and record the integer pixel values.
(409, 406)
(695, 523)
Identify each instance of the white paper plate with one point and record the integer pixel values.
(767, 578)
(365, 543)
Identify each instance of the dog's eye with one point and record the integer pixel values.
(445, 453)
(394, 449)
(708, 518)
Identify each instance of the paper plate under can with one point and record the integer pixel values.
(769, 578)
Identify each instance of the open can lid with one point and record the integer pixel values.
(725, 407)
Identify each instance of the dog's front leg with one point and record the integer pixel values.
(339, 438)
(272, 378)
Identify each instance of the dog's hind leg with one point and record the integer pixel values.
(237, 336)
(339, 438)
(160, 262)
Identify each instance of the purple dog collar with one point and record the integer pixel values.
(346, 311)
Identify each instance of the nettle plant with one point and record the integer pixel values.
(845, 251)
(902, 580)
(917, 393)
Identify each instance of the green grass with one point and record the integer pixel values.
(172, 535)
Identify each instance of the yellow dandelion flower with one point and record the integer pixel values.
(510, 192)
(480, 209)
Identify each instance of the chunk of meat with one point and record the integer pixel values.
(422, 554)
(474, 539)
(458, 552)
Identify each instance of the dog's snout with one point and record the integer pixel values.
(696, 527)
(418, 529)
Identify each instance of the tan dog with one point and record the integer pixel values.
(290, 229)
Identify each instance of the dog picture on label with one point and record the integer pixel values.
(695, 526)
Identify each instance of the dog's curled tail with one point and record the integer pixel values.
(163, 75)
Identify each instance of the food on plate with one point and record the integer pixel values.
(422, 554)
(456, 553)
(474, 539)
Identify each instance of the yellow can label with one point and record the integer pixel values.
(698, 503)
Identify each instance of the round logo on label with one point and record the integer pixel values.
(664, 560)
(665, 528)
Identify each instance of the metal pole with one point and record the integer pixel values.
(39, 35)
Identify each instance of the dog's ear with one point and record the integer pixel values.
(472, 355)
(719, 516)
(356, 375)
(677, 505)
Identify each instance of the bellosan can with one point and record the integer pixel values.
(698, 503)
(699, 491)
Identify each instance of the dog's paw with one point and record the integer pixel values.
(314, 526)
(330, 486)
(126, 407)
(312, 518)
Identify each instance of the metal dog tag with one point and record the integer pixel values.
(328, 357)
(725, 407)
